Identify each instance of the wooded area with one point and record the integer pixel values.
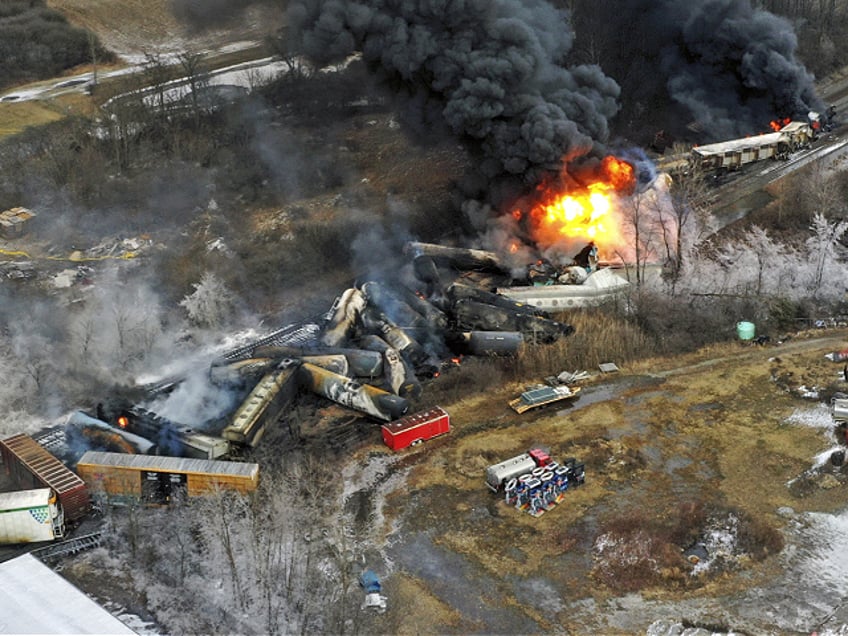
(37, 42)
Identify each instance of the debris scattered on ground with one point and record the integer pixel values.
(541, 395)
(837, 356)
(568, 377)
(13, 222)
(369, 582)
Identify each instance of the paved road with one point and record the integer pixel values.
(238, 74)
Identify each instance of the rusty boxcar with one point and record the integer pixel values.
(32, 466)
(158, 479)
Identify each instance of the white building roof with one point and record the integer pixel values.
(36, 600)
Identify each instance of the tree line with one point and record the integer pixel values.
(37, 42)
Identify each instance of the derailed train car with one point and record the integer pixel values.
(172, 438)
(157, 479)
(264, 405)
(86, 431)
(735, 153)
(348, 392)
(30, 465)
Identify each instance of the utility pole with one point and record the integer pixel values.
(92, 49)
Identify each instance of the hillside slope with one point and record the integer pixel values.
(132, 27)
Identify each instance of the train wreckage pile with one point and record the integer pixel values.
(369, 352)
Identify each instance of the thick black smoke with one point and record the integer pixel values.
(727, 66)
(500, 74)
(491, 72)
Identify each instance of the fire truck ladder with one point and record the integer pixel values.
(291, 335)
(71, 546)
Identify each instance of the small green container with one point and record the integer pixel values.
(745, 330)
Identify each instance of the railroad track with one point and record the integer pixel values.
(70, 546)
(291, 335)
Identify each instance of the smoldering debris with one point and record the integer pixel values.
(372, 351)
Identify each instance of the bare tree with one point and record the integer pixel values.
(197, 78)
(211, 302)
(92, 51)
(157, 73)
(641, 226)
(296, 65)
(121, 122)
(823, 249)
(690, 205)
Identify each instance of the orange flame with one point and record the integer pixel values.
(123, 421)
(778, 124)
(587, 213)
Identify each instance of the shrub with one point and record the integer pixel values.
(598, 337)
(634, 552)
(757, 538)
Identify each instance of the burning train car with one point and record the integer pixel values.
(385, 336)
(369, 352)
(31, 466)
(786, 138)
(171, 438)
(82, 430)
(156, 479)
(733, 154)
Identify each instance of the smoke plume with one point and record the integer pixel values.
(727, 66)
(491, 72)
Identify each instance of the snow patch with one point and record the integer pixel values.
(719, 541)
(814, 417)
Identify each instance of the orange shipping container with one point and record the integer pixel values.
(157, 479)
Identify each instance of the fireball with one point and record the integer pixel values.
(586, 213)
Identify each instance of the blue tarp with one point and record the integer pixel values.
(369, 582)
